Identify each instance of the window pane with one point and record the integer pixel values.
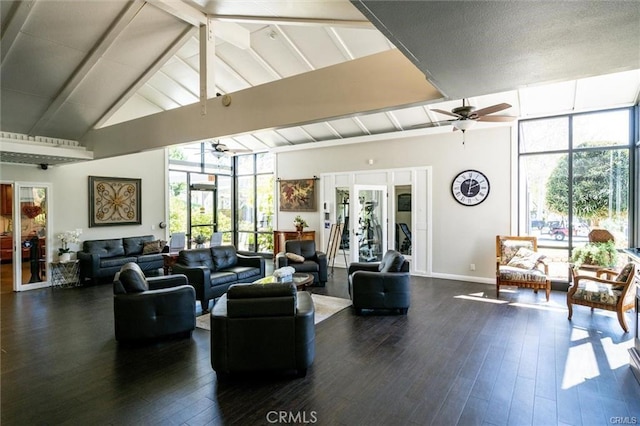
(177, 202)
(245, 164)
(224, 207)
(545, 196)
(246, 203)
(265, 202)
(601, 191)
(601, 129)
(550, 134)
(217, 163)
(186, 157)
(264, 163)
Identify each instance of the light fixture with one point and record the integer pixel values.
(463, 124)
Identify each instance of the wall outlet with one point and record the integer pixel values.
(472, 267)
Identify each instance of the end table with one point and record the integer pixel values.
(65, 274)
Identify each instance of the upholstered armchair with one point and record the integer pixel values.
(519, 264)
(148, 308)
(302, 256)
(608, 290)
(381, 285)
(262, 327)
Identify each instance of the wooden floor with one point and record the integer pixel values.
(457, 358)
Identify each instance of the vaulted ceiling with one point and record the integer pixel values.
(72, 69)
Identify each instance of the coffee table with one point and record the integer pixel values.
(300, 280)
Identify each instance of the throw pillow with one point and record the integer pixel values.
(153, 247)
(525, 259)
(623, 276)
(132, 278)
(296, 258)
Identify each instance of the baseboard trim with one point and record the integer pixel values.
(480, 280)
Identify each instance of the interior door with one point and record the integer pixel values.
(369, 229)
(202, 214)
(31, 236)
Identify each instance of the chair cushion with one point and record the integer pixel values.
(132, 278)
(224, 256)
(508, 249)
(134, 245)
(623, 276)
(153, 247)
(391, 262)
(525, 259)
(295, 257)
(594, 291)
(509, 273)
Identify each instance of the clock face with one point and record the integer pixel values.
(470, 187)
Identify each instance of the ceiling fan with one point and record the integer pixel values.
(467, 115)
(219, 147)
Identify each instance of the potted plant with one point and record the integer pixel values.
(200, 239)
(300, 223)
(596, 254)
(66, 238)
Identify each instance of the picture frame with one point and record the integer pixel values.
(298, 195)
(114, 201)
(404, 202)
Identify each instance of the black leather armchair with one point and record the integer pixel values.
(258, 327)
(314, 263)
(381, 285)
(148, 308)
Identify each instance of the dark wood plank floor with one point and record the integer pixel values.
(457, 358)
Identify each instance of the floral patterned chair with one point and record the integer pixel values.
(608, 290)
(519, 264)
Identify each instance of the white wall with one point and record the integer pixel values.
(461, 235)
(70, 192)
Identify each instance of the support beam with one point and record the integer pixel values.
(207, 60)
(379, 82)
(14, 25)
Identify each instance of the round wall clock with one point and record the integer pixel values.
(470, 187)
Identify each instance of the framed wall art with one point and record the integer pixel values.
(114, 201)
(404, 202)
(298, 195)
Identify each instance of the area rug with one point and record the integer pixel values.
(325, 307)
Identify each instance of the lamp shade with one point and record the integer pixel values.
(463, 124)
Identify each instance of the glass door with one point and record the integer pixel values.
(31, 236)
(202, 211)
(369, 208)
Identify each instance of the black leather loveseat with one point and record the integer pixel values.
(104, 258)
(212, 270)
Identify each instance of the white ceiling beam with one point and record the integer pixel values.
(345, 89)
(233, 33)
(296, 50)
(181, 11)
(155, 67)
(207, 62)
(88, 63)
(14, 25)
(269, 20)
(339, 42)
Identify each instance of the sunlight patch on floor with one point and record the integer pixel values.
(615, 357)
(580, 366)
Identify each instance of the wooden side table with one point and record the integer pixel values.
(65, 274)
(169, 259)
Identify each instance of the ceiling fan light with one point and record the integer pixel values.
(463, 124)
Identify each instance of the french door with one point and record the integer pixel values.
(31, 235)
(369, 228)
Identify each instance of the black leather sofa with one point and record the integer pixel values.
(147, 309)
(258, 327)
(381, 285)
(314, 262)
(104, 258)
(212, 270)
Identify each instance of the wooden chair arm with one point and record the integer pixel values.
(610, 273)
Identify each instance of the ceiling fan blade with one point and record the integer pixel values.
(492, 109)
(451, 114)
(496, 118)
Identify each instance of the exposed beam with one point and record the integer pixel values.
(269, 20)
(181, 11)
(80, 73)
(14, 25)
(378, 82)
(168, 54)
(207, 60)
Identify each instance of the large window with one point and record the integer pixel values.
(254, 207)
(208, 195)
(575, 177)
